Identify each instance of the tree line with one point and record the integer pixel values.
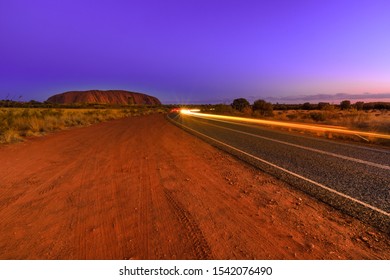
(264, 108)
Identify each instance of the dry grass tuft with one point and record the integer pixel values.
(17, 123)
(371, 121)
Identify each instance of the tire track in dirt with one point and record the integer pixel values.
(144, 221)
(80, 220)
(197, 188)
(26, 187)
(98, 178)
(141, 188)
(194, 233)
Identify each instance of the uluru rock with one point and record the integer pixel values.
(104, 97)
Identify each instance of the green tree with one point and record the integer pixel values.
(240, 103)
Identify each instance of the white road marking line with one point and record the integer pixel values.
(291, 173)
(386, 167)
(293, 125)
(318, 139)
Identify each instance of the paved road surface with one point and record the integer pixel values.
(142, 188)
(338, 173)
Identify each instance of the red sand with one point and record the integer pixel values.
(141, 188)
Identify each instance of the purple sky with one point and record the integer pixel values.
(195, 51)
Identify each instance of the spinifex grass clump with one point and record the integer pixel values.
(371, 121)
(16, 123)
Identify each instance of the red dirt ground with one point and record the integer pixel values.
(141, 188)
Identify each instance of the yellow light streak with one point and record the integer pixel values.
(189, 111)
(331, 129)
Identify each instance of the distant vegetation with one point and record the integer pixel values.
(373, 116)
(240, 104)
(346, 104)
(19, 120)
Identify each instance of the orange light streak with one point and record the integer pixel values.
(289, 125)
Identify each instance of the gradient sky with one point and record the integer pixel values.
(194, 51)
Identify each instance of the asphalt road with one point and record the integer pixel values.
(351, 177)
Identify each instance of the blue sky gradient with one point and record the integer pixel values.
(195, 51)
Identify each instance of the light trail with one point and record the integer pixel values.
(288, 125)
(369, 206)
(386, 167)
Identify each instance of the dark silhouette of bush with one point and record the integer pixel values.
(345, 105)
(281, 107)
(263, 108)
(322, 105)
(381, 105)
(317, 116)
(359, 105)
(307, 106)
(223, 109)
(240, 103)
(292, 116)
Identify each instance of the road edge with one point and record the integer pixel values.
(347, 206)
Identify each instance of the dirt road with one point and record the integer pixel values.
(141, 188)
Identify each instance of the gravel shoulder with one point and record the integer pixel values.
(141, 188)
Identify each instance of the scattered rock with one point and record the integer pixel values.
(372, 233)
(365, 239)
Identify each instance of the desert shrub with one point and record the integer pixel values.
(282, 107)
(308, 106)
(21, 124)
(322, 105)
(223, 109)
(239, 104)
(292, 116)
(10, 136)
(16, 123)
(345, 105)
(328, 107)
(37, 124)
(247, 111)
(317, 116)
(263, 108)
(359, 105)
